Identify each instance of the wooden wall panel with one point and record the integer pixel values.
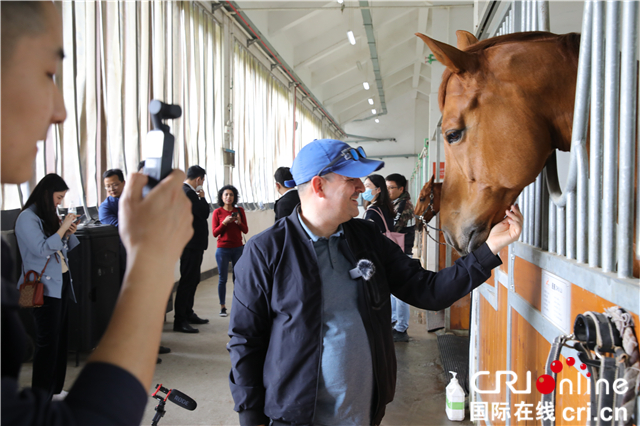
(528, 281)
(459, 314)
(492, 344)
(504, 256)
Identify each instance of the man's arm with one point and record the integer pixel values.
(438, 290)
(108, 214)
(249, 329)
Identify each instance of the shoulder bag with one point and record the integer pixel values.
(396, 237)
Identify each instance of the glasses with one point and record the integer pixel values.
(354, 154)
(112, 186)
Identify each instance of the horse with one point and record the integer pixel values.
(428, 204)
(507, 104)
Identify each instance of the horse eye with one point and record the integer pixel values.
(422, 199)
(454, 136)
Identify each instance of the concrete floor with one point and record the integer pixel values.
(198, 365)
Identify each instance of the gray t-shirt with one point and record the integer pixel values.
(345, 387)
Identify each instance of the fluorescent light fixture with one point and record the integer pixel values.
(351, 37)
(377, 120)
(366, 85)
(370, 101)
(340, 1)
(373, 111)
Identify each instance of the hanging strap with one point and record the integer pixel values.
(383, 219)
(43, 269)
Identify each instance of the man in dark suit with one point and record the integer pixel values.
(289, 196)
(191, 259)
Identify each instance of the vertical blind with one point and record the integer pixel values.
(119, 56)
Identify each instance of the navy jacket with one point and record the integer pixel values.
(276, 320)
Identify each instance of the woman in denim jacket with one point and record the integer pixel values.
(43, 238)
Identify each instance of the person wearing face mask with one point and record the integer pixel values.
(379, 208)
(44, 241)
(191, 259)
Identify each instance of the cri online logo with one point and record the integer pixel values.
(545, 384)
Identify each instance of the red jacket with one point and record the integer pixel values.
(230, 235)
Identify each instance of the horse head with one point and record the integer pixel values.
(506, 104)
(428, 204)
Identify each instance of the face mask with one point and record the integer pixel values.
(368, 195)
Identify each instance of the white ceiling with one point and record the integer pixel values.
(311, 36)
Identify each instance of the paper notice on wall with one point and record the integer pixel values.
(556, 301)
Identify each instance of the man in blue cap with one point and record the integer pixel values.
(310, 327)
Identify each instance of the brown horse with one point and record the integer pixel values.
(507, 104)
(428, 204)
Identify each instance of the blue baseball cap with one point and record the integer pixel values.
(317, 155)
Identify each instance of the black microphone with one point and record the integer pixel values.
(181, 399)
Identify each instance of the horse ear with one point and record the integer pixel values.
(454, 59)
(465, 39)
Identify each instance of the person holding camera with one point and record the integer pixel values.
(112, 388)
(229, 223)
(44, 241)
(191, 259)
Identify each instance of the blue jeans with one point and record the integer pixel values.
(399, 314)
(223, 257)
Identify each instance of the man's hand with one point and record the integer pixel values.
(507, 231)
(158, 226)
(200, 193)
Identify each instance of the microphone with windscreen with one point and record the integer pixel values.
(173, 395)
(182, 400)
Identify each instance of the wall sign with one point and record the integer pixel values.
(556, 301)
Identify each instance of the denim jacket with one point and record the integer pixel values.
(36, 248)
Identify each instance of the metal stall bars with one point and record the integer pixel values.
(613, 117)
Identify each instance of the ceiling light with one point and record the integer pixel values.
(351, 37)
(366, 85)
(377, 120)
(373, 111)
(370, 101)
(340, 1)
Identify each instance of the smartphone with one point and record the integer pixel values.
(159, 144)
(79, 219)
(234, 214)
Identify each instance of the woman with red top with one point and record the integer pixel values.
(229, 222)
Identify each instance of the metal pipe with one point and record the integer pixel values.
(543, 16)
(628, 95)
(525, 212)
(610, 141)
(534, 15)
(596, 136)
(521, 204)
(532, 212)
(579, 128)
(561, 242)
(570, 217)
(537, 232)
(552, 228)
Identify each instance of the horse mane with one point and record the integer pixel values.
(568, 45)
